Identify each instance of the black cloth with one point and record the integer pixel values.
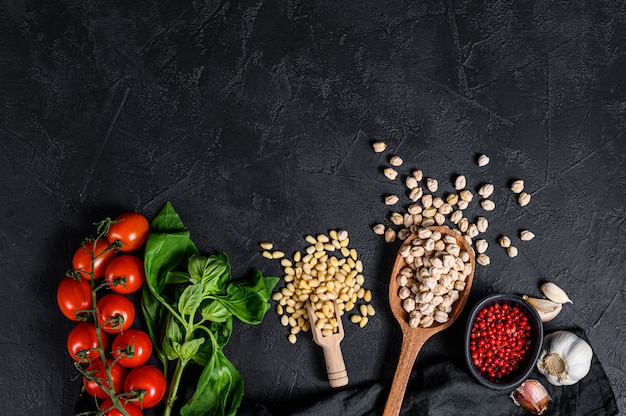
(444, 389)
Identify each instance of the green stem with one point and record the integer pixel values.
(167, 306)
(172, 390)
(110, 390)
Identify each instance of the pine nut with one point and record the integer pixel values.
(321, 279)
(266, 245)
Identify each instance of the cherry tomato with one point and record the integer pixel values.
(74, 295)
(83, 338)
(111, 306)
(118, 376)
(131, 408)
(131, 229)
(135, 342)
(151, 380)
(101, 258)
(128, 267)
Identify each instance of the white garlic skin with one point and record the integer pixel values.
(547, 309)
(565, 358)
(555, 293)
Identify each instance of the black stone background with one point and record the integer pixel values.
(256, 120)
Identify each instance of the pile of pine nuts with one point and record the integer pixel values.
(325, 272)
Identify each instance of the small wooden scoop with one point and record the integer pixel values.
(335, 367)
(414, 338)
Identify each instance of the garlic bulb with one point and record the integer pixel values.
(547, 309)
(565, 358)
(554, 293)
(532, 396)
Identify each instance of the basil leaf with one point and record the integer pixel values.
(212, 271)
(173, 338)
(153, 313)
(190, 348)
(217, 274)
(190, 299)
(221, 334)
(215, 311)
(248, 300)
(167, 245)
(219, 390)
(222, 331)
(176, 277)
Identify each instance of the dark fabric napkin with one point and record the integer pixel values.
(444, 388)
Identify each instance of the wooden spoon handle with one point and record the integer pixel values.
(410, 348)
(335, 367)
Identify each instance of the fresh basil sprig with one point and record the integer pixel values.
(189, 302)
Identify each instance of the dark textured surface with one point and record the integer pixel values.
(256, 120)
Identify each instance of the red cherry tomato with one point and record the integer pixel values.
(82, 340)
(131, 408)
(111, 306)
(151, 380)
(118, 376)
(129, 268)
(73, 296)
(131, 229)
(99, 254)
(134, 346)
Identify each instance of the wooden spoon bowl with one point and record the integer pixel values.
(414, 338)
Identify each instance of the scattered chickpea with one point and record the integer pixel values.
(379, 147)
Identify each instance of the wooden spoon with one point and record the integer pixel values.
(335, 366)
(414, 338)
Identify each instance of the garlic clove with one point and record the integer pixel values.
(554, 293)
(547, 309)
(532, 396)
